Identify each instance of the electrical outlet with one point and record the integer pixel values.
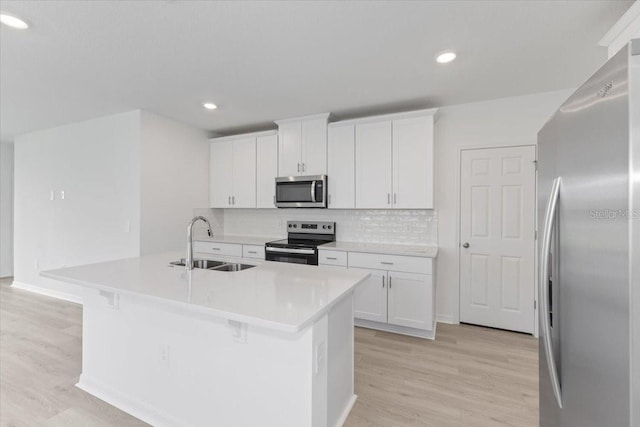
(320, 356)
(163, 355)
(238, 331)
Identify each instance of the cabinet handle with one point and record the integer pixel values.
(298, 167)
(303, 167)
(252, 252)
(386, 263)
(274, 199)
(215, 249)
(332, 257)
(233, 200)
(383, 281)
(389, 282)
(229, 201)
(388, 198)
(395, 198)
(329, 198)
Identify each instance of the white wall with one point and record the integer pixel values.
(6, 210)
(501, 122)
(174, 180)
(97, 164)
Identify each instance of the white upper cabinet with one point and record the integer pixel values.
(413, 163)
(340, 167)
(314, 146)
(373, 165)
(394, 161)
(289, 149)
(233, 172)
(244, 173)
(302, 146)
(267, 170)
(221, 164)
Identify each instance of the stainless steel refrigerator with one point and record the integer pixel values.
(589, 278)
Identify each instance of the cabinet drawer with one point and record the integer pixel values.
(224, 249)
(253, 251)
(409, 264)
(332, 258)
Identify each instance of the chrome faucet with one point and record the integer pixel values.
(189, 261)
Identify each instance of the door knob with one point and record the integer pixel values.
(465, 245)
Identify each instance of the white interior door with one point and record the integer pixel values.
(370, 297)
(497, 208)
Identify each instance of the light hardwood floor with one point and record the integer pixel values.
(469, 376)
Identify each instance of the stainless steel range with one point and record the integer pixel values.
(301, 246)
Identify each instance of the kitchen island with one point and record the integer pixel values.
(271, 345)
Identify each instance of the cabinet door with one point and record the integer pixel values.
(413, 163)
(341, 192)
(289, 149)
(314, 147)
(411, 300)
(266, 170)
(244, 173)
(373, 165)
(370, 298)
(221, 162)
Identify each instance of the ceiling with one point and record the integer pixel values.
(261, 61)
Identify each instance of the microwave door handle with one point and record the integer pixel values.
(547, 231)
(313, 191)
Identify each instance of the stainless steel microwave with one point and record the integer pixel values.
(301, 191)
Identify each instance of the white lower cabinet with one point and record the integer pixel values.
(370, 298)
(399, 296)
(410, 300)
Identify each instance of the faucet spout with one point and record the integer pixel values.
(189, 260)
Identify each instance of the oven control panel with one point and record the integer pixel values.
(311, 227)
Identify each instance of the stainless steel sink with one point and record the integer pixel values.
(232, 267)
(214, 265)
(200, 263)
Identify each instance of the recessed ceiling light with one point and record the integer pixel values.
(13, 21)
(209, 106)
(446, 56)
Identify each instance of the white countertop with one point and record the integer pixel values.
(242, 240)
(382, 248)
(272, 295)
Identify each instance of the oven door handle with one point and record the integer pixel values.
(291, 251)
(313, 191)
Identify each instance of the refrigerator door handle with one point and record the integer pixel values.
(549, 221)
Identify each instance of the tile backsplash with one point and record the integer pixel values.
(414, 227)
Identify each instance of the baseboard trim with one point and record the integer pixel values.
(47, 292)
(347, 410)
(419, 333)
(129, 405)
(446, 318)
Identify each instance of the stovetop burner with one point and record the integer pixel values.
(301, 246)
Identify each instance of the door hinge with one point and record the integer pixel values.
(535, 304)
(535, 164)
